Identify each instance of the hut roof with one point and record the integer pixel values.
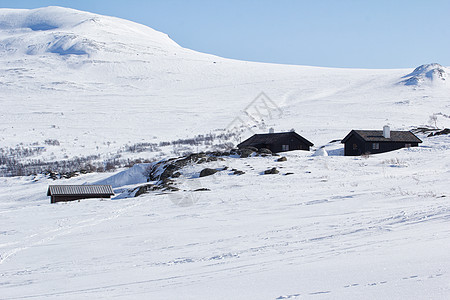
(273, 138)
(377, 136)
(79, 190)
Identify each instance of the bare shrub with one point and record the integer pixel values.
(51, 142)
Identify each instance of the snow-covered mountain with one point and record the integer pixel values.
(76, 86)
(82, 78)
(70, 32)
(429, 73)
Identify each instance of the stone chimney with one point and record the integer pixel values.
(386, 132)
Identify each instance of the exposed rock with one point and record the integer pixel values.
(167, 181)
(201, 190)
(289, 173)
(172, 165)
(165, 186)
(201, 161)
(168, 187)
(218, 153)
(208, 172)
(144, 189)
(265, 151)
(254, 149)
(423, 130)
(238, 172)
(244, 153)
(141, 190)
(169, 171)
(164, 171)
(234, 152)
(442, 132)
(271, 171)
(211, 158)
(283, 158)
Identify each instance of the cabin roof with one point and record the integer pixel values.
(273, 138)
(79, 190)
(377, 136)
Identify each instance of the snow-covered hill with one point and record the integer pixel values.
(430, 73)
(76, 86)
(70, 32)
(92, 81)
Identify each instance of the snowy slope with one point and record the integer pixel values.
(135, 84)
(338, 228)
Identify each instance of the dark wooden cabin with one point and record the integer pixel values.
(59, 193)
(359, 142)
(277, 142)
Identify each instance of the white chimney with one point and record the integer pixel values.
(271, 130)
(386, 132)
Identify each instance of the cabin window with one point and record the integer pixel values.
(375, 146)
(408, 145)
(355, 146)
(285, 147)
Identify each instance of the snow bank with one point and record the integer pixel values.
(320, 152)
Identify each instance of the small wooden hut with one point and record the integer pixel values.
(60, 193)
(277, 142)
(359, 142)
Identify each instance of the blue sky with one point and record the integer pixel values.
(332, 33)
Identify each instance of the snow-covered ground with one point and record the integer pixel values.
(339, 227)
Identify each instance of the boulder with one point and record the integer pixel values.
(144, 189)
(283, 158)
(207, 172)
(211, 158)
(169, 187)
(254, 149)
(238, 172)
(201, 161)
(168, 171)
(243, 153)
(265, 151)
(201, 190)
(271, 171)
(442, 132)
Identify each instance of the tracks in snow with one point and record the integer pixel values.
(40, 238)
